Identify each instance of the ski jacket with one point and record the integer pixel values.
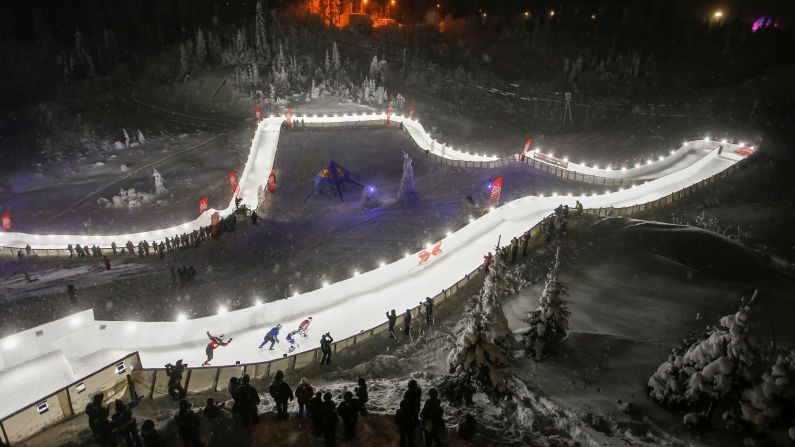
(274, 332)
(348, 410)
(304, 393)
(432, 420)
(304, 326)
(216, 342)
(280, 390)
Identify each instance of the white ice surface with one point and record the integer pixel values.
(344, 308)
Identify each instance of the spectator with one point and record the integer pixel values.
(124, 424)
(466, 427)
(234, 385)
(432, 419)
(392, 317)
(362, 394)
(407, 322)
(187, 425)
(349, 412)
(98, 421)
(330, 421)
(406, 424)
(303, 394)
(150, 435)
(316, 413)
(325, 347)
(413, 396)
(212, 410)
(281, 392)
(248, 399)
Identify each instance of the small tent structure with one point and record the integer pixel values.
(334, 175)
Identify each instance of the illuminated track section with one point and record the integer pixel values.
(65, 350)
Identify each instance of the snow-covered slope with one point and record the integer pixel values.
(344, 308)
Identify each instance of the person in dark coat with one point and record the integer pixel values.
(325, 348)
(150, 435)
(303, 394)
(432, 419)
(212, 409)
(349, 412)
(248, 399)
(407, 322)
(187, 423)
(98, 421)
(514, 250)
(429, 311)
(362, 394)
(330, 421)
(406, 424)
(316, 413)
(281, 392)
(124, 424)
(106, 260)
(466, 427)
(392, 317)
(413, 396)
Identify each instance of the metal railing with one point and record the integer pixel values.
(152, 382)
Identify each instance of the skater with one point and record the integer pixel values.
(406, 424)
(349, 413)
(407, 322)
(316, 413)
(124, 424)
(432, 419)
(174, 373)
(303, 394)
(281, 392)
(392, 317)
(113, 247)
(429, 311)
(330, 420)
(98, 421)
(187, 423)
(106, 260)
(303, 328)
(325, 347)
(254, 218)
(247, 401)
(272, 336)
(71, 290)
(214, 343)
(291, 340)
(362, 394)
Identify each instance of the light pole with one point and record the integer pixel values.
(390, 2)
(363, 6)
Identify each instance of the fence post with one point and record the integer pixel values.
(152, 388)
(215, 379)
(187, 380)
(268, 371)
(5, 435)
(292, 363)
(130, 384)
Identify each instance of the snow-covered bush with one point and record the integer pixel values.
(708, 368)
(127, 198)
(482, 354)
(767, 401)
(549, 323)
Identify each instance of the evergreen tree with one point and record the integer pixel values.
(549, 323)
(201, 49)
(261, 35)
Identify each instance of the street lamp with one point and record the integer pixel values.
(389, 3)
(363, 6)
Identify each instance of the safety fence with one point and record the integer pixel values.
(125, 377)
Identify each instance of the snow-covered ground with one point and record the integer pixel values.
(401, 283)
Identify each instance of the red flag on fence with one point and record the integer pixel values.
(496, 189)
(203, 205)
(258, 113)
(272, 182)
(233, 184)
(289, 117)
(527, 145)
(7, 221)
(388, 115)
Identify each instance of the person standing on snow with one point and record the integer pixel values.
(106, 260)
(349, 413)
(429, 311)
(392, 317)
(187, 423)
(214, 343)
(325, 347)
(272, 336)
(362, 394)
(303, 328)
(315, 408)
(281, 392)
(303, 394)
(432, 419)
(407, 322)
(406, 423)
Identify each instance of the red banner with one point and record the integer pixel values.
(272, 182)
(7, 221)
(496, 190)
(425, 255)
(233, 184)
(204, 204)
(744, 151)
(258, 113)
(289, 115)
(388, 115)
(527, 145)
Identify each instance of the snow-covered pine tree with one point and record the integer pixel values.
(201, 49)
(335, 58)
(709, 367)
(374, 68)
(214, 50)
(327, 63)
(549, 323)
(126, 138)
(765, 403)
(184, 58)
(82, 57)
(141, 138)
(261, 35)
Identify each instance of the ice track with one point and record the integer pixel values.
(68, 349)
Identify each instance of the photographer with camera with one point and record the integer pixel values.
(174, 373)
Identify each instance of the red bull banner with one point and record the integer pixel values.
(744, 151)
(527, 145)
(388, 115)
(496, 190)
(233, 184)
(271, 185)
(426, 255)
(550, 159)
(289, 115)
(258, 113)
(7, 221)
(204, 204)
